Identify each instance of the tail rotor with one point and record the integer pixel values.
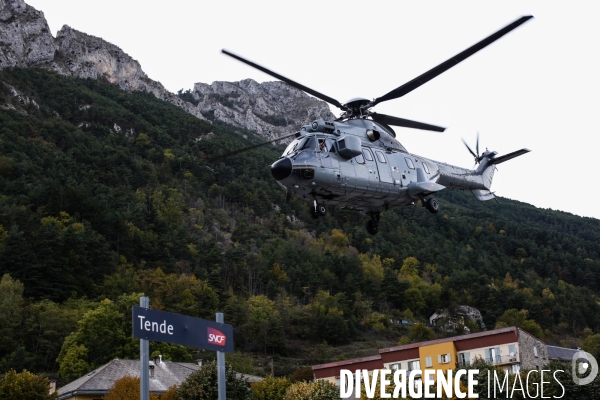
(475, 155)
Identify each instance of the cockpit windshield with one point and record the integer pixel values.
(310, 144)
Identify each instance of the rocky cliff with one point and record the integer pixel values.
(271, 108)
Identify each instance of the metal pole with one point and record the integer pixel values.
(220, 365)
(144, 359)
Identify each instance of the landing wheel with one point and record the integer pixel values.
(372, 227)
(314, 213)
(321, 209)
(432, 205)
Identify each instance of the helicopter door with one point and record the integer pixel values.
(326, 152)
(385, 175)
(373, 172)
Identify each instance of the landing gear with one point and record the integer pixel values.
(318, 210)
(321, 209)
(432, 205)
(373, 223)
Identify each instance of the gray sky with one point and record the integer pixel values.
(537, 87)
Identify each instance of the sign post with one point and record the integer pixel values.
(161, 326)
(144, 358)
(221, 365)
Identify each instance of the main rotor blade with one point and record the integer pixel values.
(509, 156)
(446, 65)
(477, 144)
(468, 148)
(236, 152)
(406, 123)
(308, 90)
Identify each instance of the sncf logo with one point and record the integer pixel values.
(216, 337)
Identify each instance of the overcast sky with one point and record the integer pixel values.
(537, 87)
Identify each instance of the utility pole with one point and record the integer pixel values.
(220, 365)
(144, 359)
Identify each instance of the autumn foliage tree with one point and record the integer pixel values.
(126, 388)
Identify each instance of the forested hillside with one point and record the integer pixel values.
(106, 194)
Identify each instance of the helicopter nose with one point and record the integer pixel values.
(281, 169)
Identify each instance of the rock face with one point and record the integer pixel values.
(25, 38)
(270, 109)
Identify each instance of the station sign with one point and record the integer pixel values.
(162, 326)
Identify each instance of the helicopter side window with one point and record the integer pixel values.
(359, 159)
(368, 155)
(380, 157)
(329, 145)
(410, 163)
(426, 167)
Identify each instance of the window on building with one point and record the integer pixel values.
(444, 358)
(464, 359)
(410, 163)
(428, 362)
(337, 382)
(396, 366)
(535, 353)
(512, 350)
(414, 365)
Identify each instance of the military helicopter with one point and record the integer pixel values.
(356, 161)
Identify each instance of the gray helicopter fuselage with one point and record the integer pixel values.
(375, 174)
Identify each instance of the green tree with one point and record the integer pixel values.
(202, 384)
(24, 386)
(514, 317)
(270, 388)
(418, 333)
(11, 301)
(591, 344)
(102, 334)
(315, 390)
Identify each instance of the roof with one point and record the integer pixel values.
(100, 380)
(449, 339)
(347, 362)
(561, 353)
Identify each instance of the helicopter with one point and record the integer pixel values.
(356, 162)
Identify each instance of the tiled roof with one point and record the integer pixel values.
(166, 374)
(560, 353)
(449, 339)
(347, 362)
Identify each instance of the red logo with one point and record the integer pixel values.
(216, 337)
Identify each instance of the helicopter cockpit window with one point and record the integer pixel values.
(359, 159)
(380, 157)
(368, 155)
(425, 167)
(311, 144)
(291, 147)
(410, 163)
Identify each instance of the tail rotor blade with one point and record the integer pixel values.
(468, 148)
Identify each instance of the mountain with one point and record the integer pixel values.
(270, 109)
(105, 194)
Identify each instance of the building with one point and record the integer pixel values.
(511, 348)
(163, 375)
(447, 320)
